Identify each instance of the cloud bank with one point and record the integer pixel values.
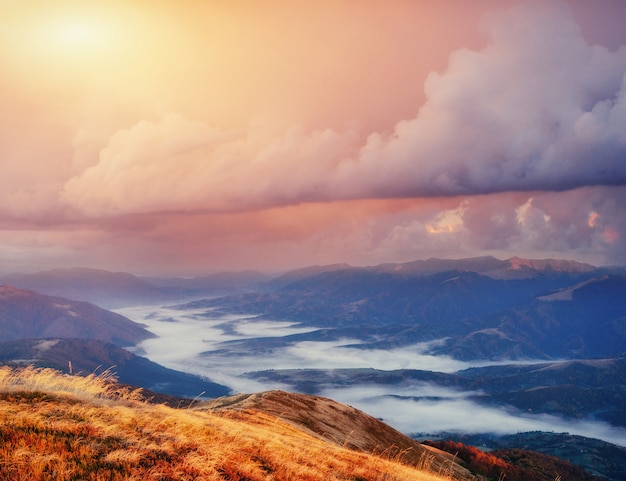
(537, 109)
(452, 412)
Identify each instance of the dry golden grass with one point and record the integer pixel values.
(91, 387)
(57, 427)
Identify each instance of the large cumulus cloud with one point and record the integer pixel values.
(538, 109)
(179, 164)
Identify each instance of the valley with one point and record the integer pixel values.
(469, 347)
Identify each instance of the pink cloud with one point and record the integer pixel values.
(537, 109)
(179, 164)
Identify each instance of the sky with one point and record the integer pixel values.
(186, 137)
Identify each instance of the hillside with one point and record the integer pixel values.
(604, 460)
(67, 428)
(88, 356)
(583, 320)
(515, 464)
(340, 424)
(29, 315)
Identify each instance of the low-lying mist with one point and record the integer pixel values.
(194, 342)
(431, 409)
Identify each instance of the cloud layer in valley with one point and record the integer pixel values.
(451, 411)
(193, 342)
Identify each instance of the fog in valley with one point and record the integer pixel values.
(194, 341)
(421, 408)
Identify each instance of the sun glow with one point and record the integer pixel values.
(67, 47)
(57, 37)
(80, 33)
(86, 33)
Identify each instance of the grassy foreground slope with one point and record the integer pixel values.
(342, 425)
(54, 426)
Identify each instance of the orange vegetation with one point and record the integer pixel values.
(54, 426)
(514, 464)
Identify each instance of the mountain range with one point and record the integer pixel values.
(118, 289)
(564, 320)
(483, 308)
(104, 288)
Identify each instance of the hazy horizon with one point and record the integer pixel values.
(186, 137)
(272, 273)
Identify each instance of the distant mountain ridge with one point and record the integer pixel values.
(104, 288)
(219, 282)
(121, 289)
(514, 267)
(485, 308)
(26, 314)
(560, 265)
